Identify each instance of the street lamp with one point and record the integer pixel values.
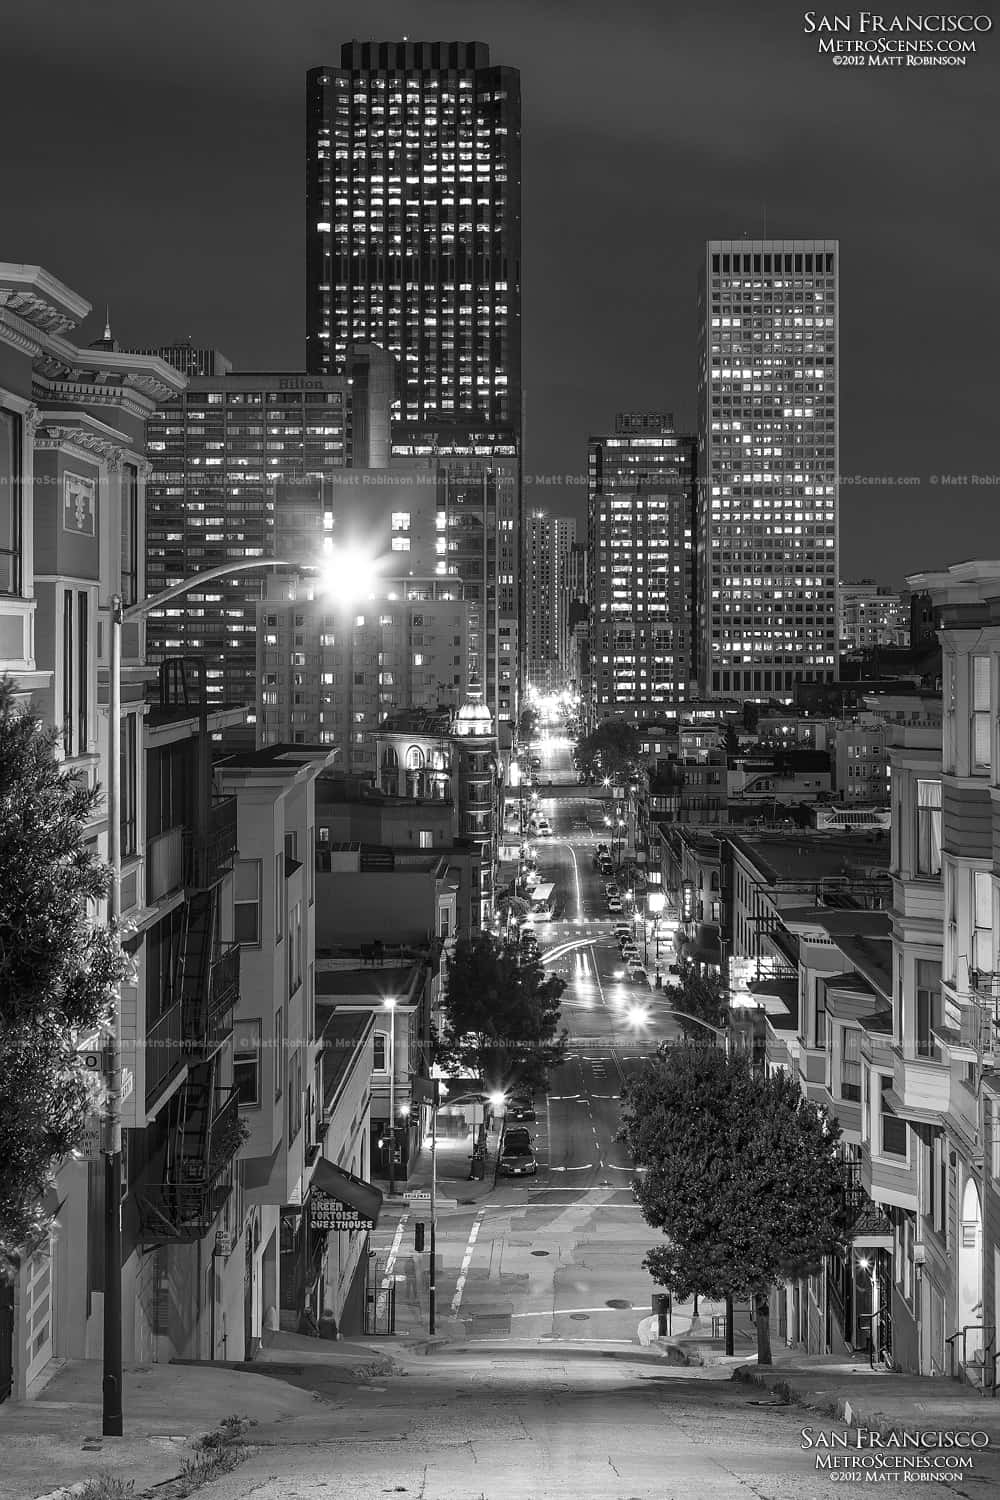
(654, 906)
(125, 614)
(390, 1004)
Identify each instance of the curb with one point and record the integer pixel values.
(841, 1407)
(381, 1364)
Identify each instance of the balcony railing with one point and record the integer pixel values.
(188, 1185)
(165, 1054)
(206, 1014)
(164, 864)
(209, 856)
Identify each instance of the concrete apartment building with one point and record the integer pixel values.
(221, 449)
(329, 672)
(871, 615)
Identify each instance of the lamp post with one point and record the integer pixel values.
(390, 1004)
(121, 614)
(654, 906)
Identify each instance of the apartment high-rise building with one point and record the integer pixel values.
(548, 541)
(413, 223)
(329, 673)
(221, 452)
(768, 461)
(641, 492)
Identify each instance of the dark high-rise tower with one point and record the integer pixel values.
(768, 434)
(413, 224)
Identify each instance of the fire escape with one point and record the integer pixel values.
(189, 1177)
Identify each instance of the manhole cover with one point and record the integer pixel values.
(539, 1252)
(580, 1317)
(617, 1302)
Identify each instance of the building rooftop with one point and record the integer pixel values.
(343, 1033)
(810, 856)
(839, 922)
(371, 983)
(872, 957)
(277, 758)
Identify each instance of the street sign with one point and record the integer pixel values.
(92, 1139)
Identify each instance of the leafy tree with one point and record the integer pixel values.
(731, 743)
(613, 746)
(700, 996)
(751, 717)
(527, 725)
(501, 1014)
(58, 971)
(742, 1176)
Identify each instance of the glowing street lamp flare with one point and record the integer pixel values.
(349, 574)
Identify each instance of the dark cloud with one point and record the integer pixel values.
(158, 165)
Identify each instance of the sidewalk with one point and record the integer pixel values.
(55, 1439)
(454, 1187)
(851, 1392)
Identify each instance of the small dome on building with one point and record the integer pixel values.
(473, 718)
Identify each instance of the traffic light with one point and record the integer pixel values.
(418, 1237)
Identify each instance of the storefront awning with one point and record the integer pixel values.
(347, 1189)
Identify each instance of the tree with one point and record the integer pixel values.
(527, 726)
(614, 745)
(751, 717)
(701, 996)
(742, 1176)
(731, 743)
(501, 1014)
(58, 971)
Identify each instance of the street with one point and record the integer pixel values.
(515, 1422)
(539, 1381)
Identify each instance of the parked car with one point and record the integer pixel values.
(623, 932)
(630, 950)
(521, 1107)
(545, 828)
(603, 849)
(517, 1161)
(516, 1135)
(635, 973)
(614, 904)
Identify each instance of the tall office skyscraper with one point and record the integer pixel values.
(413, 224)
(641, 514)
(413, 242)
(548, 541)
(767, 466)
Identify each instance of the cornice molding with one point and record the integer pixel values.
(89, 393)
(74, 438)
(17, 334)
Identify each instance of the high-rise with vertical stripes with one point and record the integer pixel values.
(768, 461)
(413, 228)
(413, 243)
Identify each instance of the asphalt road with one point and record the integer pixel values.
(515, 1422)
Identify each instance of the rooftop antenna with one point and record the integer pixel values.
(107, 324)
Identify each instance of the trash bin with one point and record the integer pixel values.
(661, 1307)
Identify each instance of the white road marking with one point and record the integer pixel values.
(583, 1168)
(390, 1266)
(456, 1301)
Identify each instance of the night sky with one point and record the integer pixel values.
(153, 158)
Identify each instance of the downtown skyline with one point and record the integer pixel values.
(884, 162)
